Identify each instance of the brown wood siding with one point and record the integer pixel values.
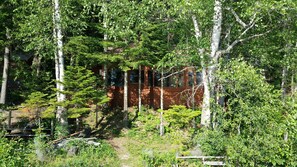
(150, 95)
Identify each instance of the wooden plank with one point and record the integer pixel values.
(200, 157)
(206, 160)
(21, 135)
(214, 163)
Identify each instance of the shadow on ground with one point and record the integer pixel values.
(112, 123)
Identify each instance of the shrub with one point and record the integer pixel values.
(13, 152)
(152, 158)
(88, 155)
(179, 116)
(250, 129)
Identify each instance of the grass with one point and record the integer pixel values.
(148, 147)
(139, 145)
(89, 155)
(22, 153)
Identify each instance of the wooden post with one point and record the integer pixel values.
(126, 119)
(139, 88)
(9, 119)
(96, 121)
(52, 127)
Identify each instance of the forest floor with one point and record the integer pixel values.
(120, 145)
(133, 144)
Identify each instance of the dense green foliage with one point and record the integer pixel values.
(22, 153)
(179, 116)
(153, 150)
(88, 155)
(13, 152)
(252, 126)
(252, 88)
(82, 89)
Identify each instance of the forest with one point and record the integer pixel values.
(148, 83)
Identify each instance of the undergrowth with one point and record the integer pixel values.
(20, 153)
(154, 150)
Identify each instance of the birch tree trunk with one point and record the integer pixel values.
(209, 68)
(162, 90)
(139, 89)
(5, 75)
(162, 103)
(284, 90)
(284, 82)
(61, 114)
(126, 99)
(5, 70)
(105, 37)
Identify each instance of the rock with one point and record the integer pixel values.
(62, 143)
(72, 151)
(16, 131)
(93, 143)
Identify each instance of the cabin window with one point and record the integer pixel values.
(150, 78)
(191, 78)
(115, 77)
(173, 80)
(176, 80)
(157, 79)
(154, 78)
(199, 78)
(134, 76)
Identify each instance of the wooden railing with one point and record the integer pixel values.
(206, 160)
(26, 132)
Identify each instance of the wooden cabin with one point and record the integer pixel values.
(179, 86)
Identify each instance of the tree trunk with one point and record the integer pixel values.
(209, 68)
(5, 75)
(105, 38)
(284, 82)
(162, 103)
(193, 88)
(292, 84)
(139, 88)
(5, 71)
(126, 99)
(36, 64)
(162, 90)
(284, 90)
(61, 114)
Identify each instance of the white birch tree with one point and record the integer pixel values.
(139, 88)
(125, 98)
(209, 60)
(61, 114)
(162, 103)
(5, 71)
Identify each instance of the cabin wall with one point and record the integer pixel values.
(150, 95)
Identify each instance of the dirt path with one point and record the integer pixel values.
(120, 145)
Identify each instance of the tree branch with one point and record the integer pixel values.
(243, 24)
(231, 46)
(240, 39)
(174, 73)
(198, 33)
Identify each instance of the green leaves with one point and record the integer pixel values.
(179, 116)
(252, 120)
